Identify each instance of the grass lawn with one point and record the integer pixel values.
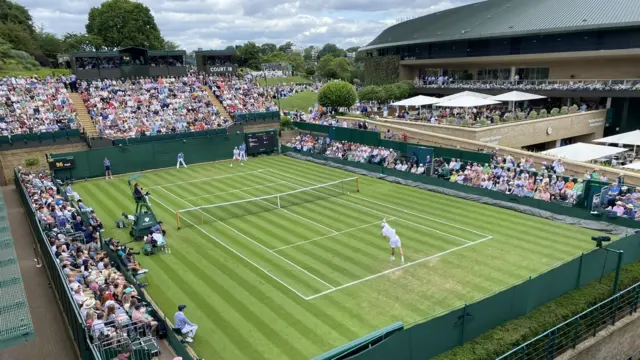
(294, 282)
(283, 80)
(300, 101)
(15, 69)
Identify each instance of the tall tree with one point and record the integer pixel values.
(268, 48)
(170, 45)
(12, 12)
(286, 47)
(73, 42)
(325, 67)
(308, 53)
(275, 57)
(49, 44)
(296, 61)
(122, 23)
(331, 49)
(230, 48)
(250, 54)
(342, 68)
(16, 27)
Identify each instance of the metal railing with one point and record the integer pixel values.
(572, 332)
(560, 84)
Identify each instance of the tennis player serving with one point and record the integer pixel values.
(394, 240)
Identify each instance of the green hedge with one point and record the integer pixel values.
(504, 338)
(381, 70)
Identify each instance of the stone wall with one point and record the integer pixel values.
(10, 159)
(587, 125)
(573, 168)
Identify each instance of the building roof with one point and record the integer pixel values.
(506, 18)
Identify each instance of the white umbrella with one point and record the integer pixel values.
(419, 100)
(583, 152)
(467, 101)
(633, 166)
(465, 93)
(516, 96)
(628, 138)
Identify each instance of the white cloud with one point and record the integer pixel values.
(215, 24)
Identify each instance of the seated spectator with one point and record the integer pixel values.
(186, 327)
(34, 105)
(83, 207)
(145, 106)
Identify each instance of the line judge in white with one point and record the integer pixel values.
(394, 240)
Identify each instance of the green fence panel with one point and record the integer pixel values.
(152, 155)
(341, 134)
(397, 347)
(631, 247)
(45, 136)
(473, 156)
(489, 313)
(395, 145)
(438, 335)
(446, 153)
(592, 266)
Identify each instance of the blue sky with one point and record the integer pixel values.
(214, 24)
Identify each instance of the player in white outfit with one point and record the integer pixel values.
(394, 240)
(236, 156)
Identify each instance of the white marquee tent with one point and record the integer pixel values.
(465, 93)
(467, 101)
(628, 138)
(516, 96)
(632, 166)
(419, 100)
(583, 152)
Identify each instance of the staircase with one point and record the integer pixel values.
(216, 102)
(83, 115)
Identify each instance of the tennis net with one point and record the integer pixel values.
(205, 214)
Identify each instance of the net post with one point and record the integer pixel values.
(357, 184)
(178, 218)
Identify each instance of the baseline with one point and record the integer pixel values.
(394, 269)
(253, 241)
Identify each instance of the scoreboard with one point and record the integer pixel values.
(261, 142)
(64, 163)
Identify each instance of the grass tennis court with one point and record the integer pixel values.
(293, 282)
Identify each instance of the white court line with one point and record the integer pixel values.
(378, 212)
(238, 190)
(253, 241)
(380, 203)
(292, 214)
(394, 269)
(155, 200)
(330, 235)
(207, 178)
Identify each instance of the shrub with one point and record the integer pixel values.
(573, 109)
(496, 119)
(543, 113)
(286, 123)
(533, 115)
(482, 122)
(337, 94)
(521, 116)
(508, 118)
(555, 112)
(564, 110)
(451, 121)
(465, 122)
(31, 162)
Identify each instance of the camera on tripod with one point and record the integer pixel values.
(600, 239)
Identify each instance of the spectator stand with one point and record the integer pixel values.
(128, 63)
(118, 334)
